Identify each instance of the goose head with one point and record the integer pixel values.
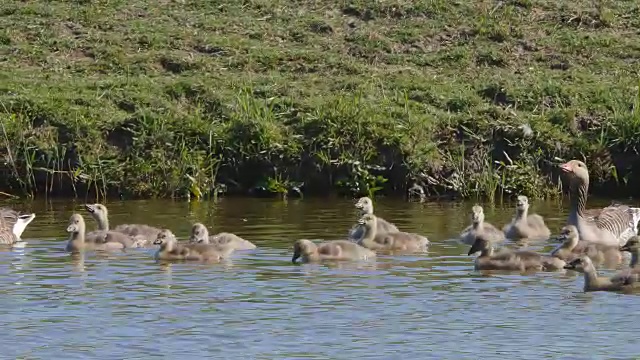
(479, 245)
(632, 245)
(199, 234)
(582, 264)
(522, 203)
(165, 239)
(97, 211)
(369, 221)
(365, 205)
(302, 247)
(568, 233)
(477, 214)
(576, 171)
(76, 224)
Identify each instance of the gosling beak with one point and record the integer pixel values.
(90, 208)
(72, 228)
(474, 248)
(295, 257)
(193, 240)
(566, 167)
(361, 222)
(359, 205)
(157, 242)
(625, 247)
(569, 266)
(562, 237)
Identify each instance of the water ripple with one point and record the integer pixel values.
(258, 305)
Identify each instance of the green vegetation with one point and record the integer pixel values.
(163, 98)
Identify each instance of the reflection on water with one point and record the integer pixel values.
(258, 305)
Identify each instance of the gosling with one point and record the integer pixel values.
(170, 249)
(572, 248)
(624, 281)
(524, 226)
(95, 240)
(521, 260)
(365, 207)
(392, 241)
(480, 229)
(308, 251)
(200, 235)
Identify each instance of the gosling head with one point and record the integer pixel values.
(576, 170)
(477, 214)
(368, 220)
(76, 224)
(96, 210)
(522, 203)
(165, 236)
(632, 245)
(302, 247)
(568, 233)
(479, 245)
(199, 234)
(365, 205)
(580, 264)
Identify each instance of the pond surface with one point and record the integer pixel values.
(258, 305)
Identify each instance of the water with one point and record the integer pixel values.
(258, 305)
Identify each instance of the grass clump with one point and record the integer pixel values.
(184, 97)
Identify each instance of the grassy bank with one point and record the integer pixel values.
(466, 97)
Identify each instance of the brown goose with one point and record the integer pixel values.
(392, 241)
(480, 228)
(572, 248)
(525, 225)
(626, 280)
(308, 251)
(170, 249)
(365, 206)
(613, 225)
(100, 214)
(12, 225)
(200, 235)
(95, 240)
(512, 260)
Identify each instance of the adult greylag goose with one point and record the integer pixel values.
(308, 251)
(520, 260)
(100, 214)
(612, 225)
(12, 225)
(480, 228)
(95, 240)
(391, 241)
(572, 248)
(200, 235)
(365, 206)
(626, 280)
(170, 249)
(525, 225)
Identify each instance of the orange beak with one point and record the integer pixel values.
(566, 167)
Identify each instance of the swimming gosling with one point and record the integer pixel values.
(521, 260)
(141, 232)
(399, 241)
(365, 206)
(170, 249)
(308, 251)
(525, 226)
(480, 229)
(572, 248)
(624, 281)
(632, 246)
(200, 235)
(95, 240)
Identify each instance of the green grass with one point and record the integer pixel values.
(170, 97)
